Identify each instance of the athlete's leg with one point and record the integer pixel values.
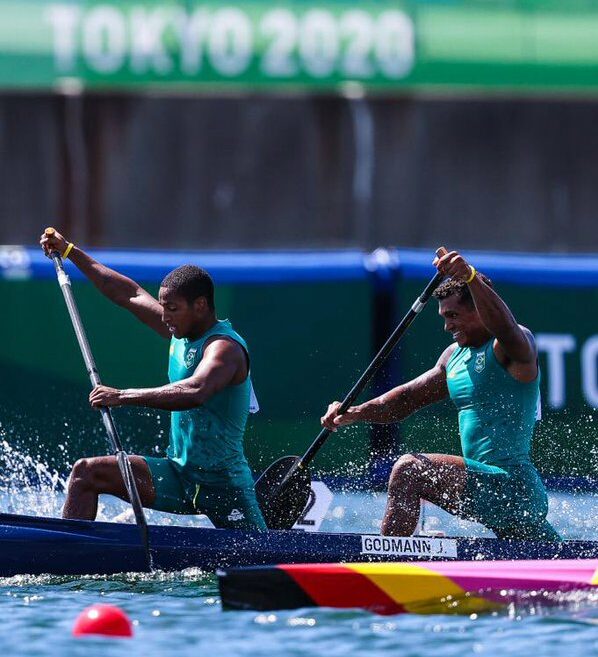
(94, 476)
(438, 478)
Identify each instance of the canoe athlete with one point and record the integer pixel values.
(491, 374)
(209, 396)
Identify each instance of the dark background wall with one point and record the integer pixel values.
(266, 172)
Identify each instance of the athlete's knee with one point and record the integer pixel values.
(86, 474)
(80, 476)
(406, 470)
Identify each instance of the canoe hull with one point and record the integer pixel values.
(32, 545)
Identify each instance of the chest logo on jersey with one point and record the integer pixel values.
(190, 358)
(480, 362)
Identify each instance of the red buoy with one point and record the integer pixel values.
(106, 620)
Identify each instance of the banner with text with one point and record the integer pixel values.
(332, 46)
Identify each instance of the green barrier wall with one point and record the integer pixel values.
(308, 343)
(312, 321)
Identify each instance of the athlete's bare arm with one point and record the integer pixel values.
(515, 346)
(398, 403)
(120, 289)
(224, 363)
(513, 342)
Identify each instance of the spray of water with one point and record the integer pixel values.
(27, 484)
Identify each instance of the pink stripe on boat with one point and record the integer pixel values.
(522, 575)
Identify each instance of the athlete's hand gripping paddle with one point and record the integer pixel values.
(121, 456)
(283, 488)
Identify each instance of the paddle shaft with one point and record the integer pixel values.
(375, 365)
(302, 462)
(113, 437)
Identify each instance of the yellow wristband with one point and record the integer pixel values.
(68, 249)
(472, 275)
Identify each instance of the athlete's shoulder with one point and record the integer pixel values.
(528, 332)
(446, 355)
(222, 341)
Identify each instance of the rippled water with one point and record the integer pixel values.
(180, 613)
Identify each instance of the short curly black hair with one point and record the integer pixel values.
(459, 288)
(191, 282)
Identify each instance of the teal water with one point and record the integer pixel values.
(180, 613)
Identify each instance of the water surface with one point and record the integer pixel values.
(179, 613)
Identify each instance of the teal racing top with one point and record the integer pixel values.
(206, 442)
(497, 413)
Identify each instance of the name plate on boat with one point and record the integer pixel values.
(412, 546)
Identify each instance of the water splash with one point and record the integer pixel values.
(27, 483)
(29, 486)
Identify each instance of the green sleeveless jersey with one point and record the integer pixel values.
(497, 414)
(207, 442)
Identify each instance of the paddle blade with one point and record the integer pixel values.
(283, 501)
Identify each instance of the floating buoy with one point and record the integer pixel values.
(106, 620)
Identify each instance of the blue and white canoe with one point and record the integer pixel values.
(32, 545)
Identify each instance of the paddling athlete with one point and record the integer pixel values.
(491, 374)
(209, 396)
